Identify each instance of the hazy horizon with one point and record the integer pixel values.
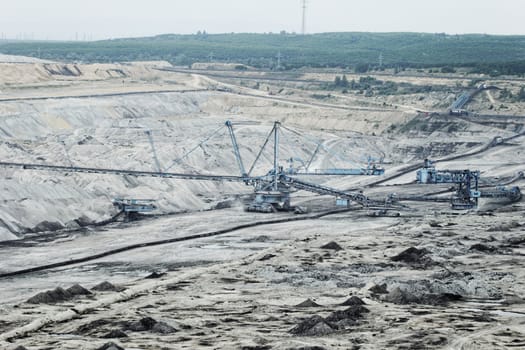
(73, 20)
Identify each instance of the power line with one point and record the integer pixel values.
(303, 28)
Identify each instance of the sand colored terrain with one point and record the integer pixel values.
(430, 278)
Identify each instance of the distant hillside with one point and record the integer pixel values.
(489, 53)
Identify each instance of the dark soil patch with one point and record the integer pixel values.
(116, 333)
(484, 317)
(149, 324)
(4, 325)
(516, 240)
(106, 287)
(47, 226)
(332, 246)
(403, 297)
(178, 285)
(224, 205)
(77, 289)
(110, 346)
(56, 295)
(261, 238)
(155, 274)
(353, 300)
(337, 320)
(379, 289)
(267, 257)
(483, 248)
(308, 303)
(353, 313)
(313, 326)
(413, 256)
(91, 326)
(504, 227)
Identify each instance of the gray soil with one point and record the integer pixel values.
(422, 277)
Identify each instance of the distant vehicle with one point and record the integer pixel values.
(458, 112)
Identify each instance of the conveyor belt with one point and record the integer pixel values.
(324, 190)
(69, 169)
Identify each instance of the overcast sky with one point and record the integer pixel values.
(99, 19)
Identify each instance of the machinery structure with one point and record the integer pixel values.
(305, 167)
(467, 185)
(513, 193)
(272, 191)
(134, 207)
(467, 181)
(457, 107)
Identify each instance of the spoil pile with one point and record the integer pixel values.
(110, 346)
(308, 303)
(106, 287)
(405, 295)
(58, 295)
(116, 333)
(353, 300)
(337, 320)
(313, 326)
(149, 324)
(332, 246)
(483, 248)
(414, 257)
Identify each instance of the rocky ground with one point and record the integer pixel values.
(430, 278)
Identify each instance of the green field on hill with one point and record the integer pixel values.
(490, 54)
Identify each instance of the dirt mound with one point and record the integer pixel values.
(261, 239)
(91, 326)
(110, 346)
(224, 205)
(483, 248)
(337, 320)
(45, 226)
(353, 300)
(413, 256)
(378, 289)
(516, 241)
(347, 316)
(116, 333)
(77, 289)
(155, 274)
(332, 245)
(308, 303)
(56, 295)
(313, 326)
(403, 297)
(163, 328)
(106, 287)
(149, 324)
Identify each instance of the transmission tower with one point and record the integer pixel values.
(303, 27)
